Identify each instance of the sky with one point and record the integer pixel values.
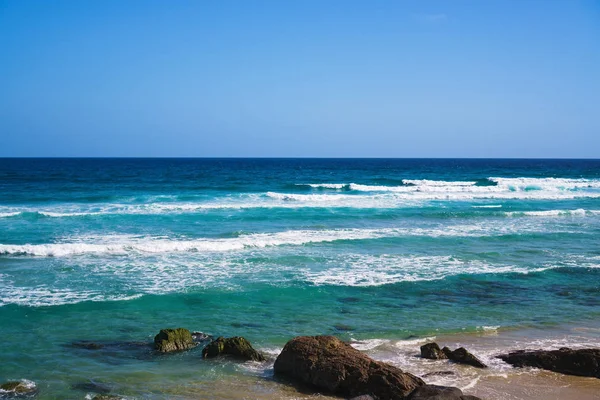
(300, 78)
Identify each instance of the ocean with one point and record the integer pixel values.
(384, 253)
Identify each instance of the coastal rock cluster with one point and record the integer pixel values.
(461, 355)
(330, 366)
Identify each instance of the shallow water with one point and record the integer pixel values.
(112, 250)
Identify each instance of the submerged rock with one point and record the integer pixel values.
(237, 346)
(92, 386)
(84, 344)
(438, 373)
(106, 397)
(463, 356)
(328, 364)
(18, 389)
(434, 392)
(169, 340)
(201, 336)
(432, 351)
(581, 362)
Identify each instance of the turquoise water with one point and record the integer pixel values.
(113, 250)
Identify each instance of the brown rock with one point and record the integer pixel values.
(432, 351)
(581, 362)
(462, 356)
(434, 392)
(330, 365)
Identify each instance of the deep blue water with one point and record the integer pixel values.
(116, 249)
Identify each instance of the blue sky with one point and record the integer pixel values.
(326, 78)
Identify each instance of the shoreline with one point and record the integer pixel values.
(229, 379)
(500, 381)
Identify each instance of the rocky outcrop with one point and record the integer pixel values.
(581, 362)
(434, 392)
(330, 365)
(432, 351)
(169, 340)
(462, 356)
(18, 389)
(237, 347)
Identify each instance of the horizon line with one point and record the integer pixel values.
(291, 158)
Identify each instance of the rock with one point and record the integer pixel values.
(581, 362)
(92, 386)
(18, 389)
(462, 356)
(169, 340)
(201, 336)
(363, 397)
(236, 346)
(330, 365)
(438, 373)
(84, 344)
(432, 351)
(106, 397)
(434, 392)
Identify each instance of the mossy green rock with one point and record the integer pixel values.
(21, 388)
(169, 340)
(237, 347)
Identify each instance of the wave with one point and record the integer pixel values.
(580, 212)
(369, 270)
(9, 214)
(412, 193)
(122, 244)
(177, 273)
(553, 184)
(397, 197)
(490, 188)
(44, 296)
(336, 186)
(427, 182)
(492, 184)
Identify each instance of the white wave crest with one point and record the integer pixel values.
(547, 184)
(427, 182)
(381, 270)
(336, 186)
(554, 213)
(122, 244)
(44, 296)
